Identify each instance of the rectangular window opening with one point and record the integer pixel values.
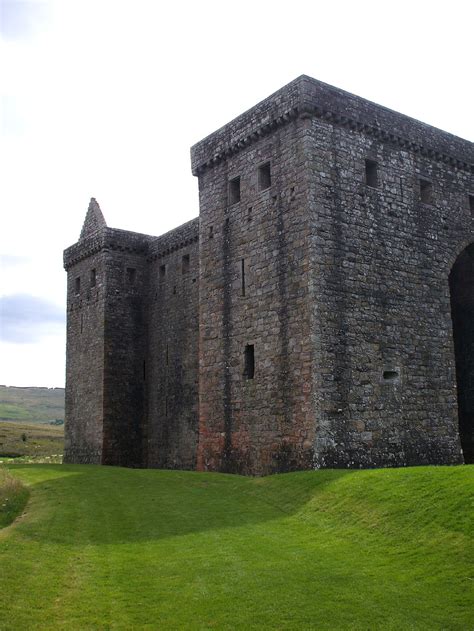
(371, 175)
(471, 204)
(264, 177)
(77, 285)
(162, 271)
(249, 361)
(131, 275)
(93, 278)
(211, 232)
(390, 375)
(242, 276)
(426, 191)
(249, 213)
(234, 191)
(185, 261)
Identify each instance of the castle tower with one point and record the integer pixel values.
(105, 360)
(256, 346)
(329, 227)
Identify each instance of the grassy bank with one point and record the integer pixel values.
(13, 497)
(109, 548)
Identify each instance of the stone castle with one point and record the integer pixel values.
(318, 313)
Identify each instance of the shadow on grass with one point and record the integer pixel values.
(88, 505)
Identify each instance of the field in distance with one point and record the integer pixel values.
(32, 405)
(31, 442)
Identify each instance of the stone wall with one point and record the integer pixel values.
(172, 349)
(85, 357)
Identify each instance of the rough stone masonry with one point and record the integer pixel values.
(318, 313)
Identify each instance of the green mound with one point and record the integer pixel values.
(110, 548)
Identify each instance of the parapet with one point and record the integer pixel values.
(308, 97)
(106, 239)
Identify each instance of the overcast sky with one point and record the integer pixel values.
(104, 98)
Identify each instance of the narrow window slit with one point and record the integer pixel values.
(242, 276)
(249, 361)
(185, 264)
(131, 275)
(371, 175)
(234, 191)
(93, 277)
(264, 177)
(426, 191)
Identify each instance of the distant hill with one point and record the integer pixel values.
(32, 405)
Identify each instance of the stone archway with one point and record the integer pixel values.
(461, 286)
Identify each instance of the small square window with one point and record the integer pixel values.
(234, 191)
(371, 175)
(264, 177)
(426, 191)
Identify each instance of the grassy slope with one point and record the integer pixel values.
(109, 548)
(13, 497)
(34, 405)
(41, 440)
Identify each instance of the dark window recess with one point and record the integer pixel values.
(93, 278)
(167, 355)
(185, 264)
(166, 406)
(249, 213)
(234, 190)
(471, 204)
(162, 271)
(77, 285)
(211, 232)
(264, 177)
(174, 289)
(390, 375)
(131, 275)
(371, 175)
(249, 361)
(426, 191)
(82, 322)
(144, 370)
(242, 276)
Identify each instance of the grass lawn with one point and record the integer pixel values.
(109, 548)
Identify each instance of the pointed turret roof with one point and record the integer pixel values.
(94, 219)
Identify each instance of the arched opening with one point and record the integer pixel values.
(461, 285)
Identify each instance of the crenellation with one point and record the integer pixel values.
(318, 313)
